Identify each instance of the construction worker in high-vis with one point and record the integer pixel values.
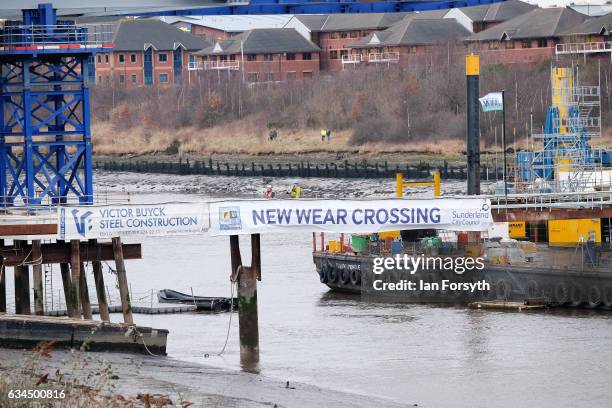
(323, 135)
(296, 190)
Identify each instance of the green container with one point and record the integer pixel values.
(359, 243)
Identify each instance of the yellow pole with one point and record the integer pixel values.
(436, 183)
(399, 185)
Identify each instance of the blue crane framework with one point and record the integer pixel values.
(45, 135)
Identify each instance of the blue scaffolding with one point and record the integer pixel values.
(45, 137)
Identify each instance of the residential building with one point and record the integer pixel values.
(263, 55)
(409, 40)
(334, 32)
(527, 38)
(479, 18)
(147, 51)
(224, 27)
(591, 38)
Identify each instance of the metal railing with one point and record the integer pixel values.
(194, 66)
(384, 57)
(352, 59)
(216, 65)
(43, 36)
(583, 48)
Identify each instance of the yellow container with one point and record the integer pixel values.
(517, 229)
(389, 234)
(564, 164)
(334, 246)
(572, 232)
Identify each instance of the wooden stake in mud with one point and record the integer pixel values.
(84, 292)
(67, 284)
(37, 277)
(2, 285)
(75, 269)
(22, 286)
(100, 292)
(126, 305)
(247, 297)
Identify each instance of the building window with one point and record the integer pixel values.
(133, 58)
(307, 74)
(252, 76)
(232, 57)
(99, 59)
(413, 50)
(526, 43)
(354, 34)
(290, 56)
(106, 58)
(290, 75)
(134, 79)
(344, 34)
(163, 78)
(268, 57)
(509, 45)
(344, 52)
(251, 57)
(493, 45)
(333, 36)
(542, 43)
(122, 79)
(306, 56)
(333, 54)
(122, 58)
(163, 57)
(269, 77)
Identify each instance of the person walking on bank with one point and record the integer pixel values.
(328, 135)
(323, 135)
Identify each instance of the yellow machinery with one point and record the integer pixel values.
(400, 184)
(572, 232)
(517, 229)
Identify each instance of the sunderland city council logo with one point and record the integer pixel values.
(82, 221)
(229, 218)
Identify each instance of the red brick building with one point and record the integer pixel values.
(407, 41)
(334, 32)
(147, 52)
(263, 55)
(479, 18)
(527, 38)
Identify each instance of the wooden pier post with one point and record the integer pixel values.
(84, 292)
(67, 284)
(22, 286)
(75, 269)
(100, 292)
(247, 302)
(126, 305)
(2, 285)
(37, 277)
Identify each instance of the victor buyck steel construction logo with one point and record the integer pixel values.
(82, 221)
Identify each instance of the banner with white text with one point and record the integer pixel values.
(350, 216)
(92, 222)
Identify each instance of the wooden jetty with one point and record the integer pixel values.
(135, 309)
(23, 331)
(27, 259)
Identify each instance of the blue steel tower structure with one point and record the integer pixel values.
(45, 135)
(45, 66)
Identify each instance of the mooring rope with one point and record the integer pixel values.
(229, 324)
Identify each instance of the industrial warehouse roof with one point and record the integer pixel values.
(233, 24)
(262, 41)
(597, 25)
(136, 35)
(538, 23)
(416, 31)
(497, 11)
(347, 22)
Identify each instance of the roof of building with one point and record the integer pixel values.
(136, 35)
(597, 25)
(593, 10)
(538, 23)
(262, 41)
(233, 23)
(348, 22)
(497, 11)
(415, 31)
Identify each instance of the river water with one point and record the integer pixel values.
(417, 354)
